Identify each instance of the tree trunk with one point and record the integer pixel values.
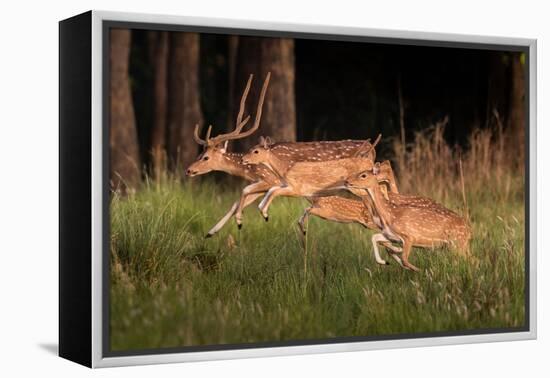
(125, 164)
(232, 50)
(158, 50)
(497, 87)
(184, 98)
(259, 56)
(516, 115)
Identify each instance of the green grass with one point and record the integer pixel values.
(171, 287)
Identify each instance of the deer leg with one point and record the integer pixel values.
(302, 224)
(303, 221)
(323, 213)
(267, 196)
(397, 258)
(270, 196)
(376, 238)
(249, 199)
(407, 246)
(392, 250)
(223, 221)
(250, 191)
(392, 247)
(244, 201)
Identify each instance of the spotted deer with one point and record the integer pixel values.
(311, 178)
(215, 157)
(386, 179)
(347, 210)
(418, 222)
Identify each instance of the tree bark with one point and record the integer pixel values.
(232, 50)
(259, 56)
(125, 164)
(184, 99)
(516, 115)
(158, 49)
(497, 87)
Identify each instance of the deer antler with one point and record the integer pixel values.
(202, 142)
(243, 101)
(377, 140)
(366, 148)
(237, 134)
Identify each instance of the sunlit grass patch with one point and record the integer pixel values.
(172, 287)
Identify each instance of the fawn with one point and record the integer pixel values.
(419, 222)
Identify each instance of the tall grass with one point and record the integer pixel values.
(489, 166)
(171, 287)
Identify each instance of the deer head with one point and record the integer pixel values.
(361, 182)
(211, 159)
(214, 155)
(260, 153)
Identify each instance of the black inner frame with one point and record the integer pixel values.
(111, 24)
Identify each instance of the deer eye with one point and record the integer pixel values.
(363, 176)
(256, 151)
(205, 158)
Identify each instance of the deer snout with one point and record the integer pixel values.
(190, 172)
(347, 184)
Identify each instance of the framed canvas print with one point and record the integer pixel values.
(236, 189)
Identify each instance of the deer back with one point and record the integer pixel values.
(310, 178)
(429, 225)
(316, 151)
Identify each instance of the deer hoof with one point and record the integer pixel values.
(208, 236)
(239, 226)
(387, 263)
(266, 217)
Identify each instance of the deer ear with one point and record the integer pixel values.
(268, 141)
(224, 148)
(265, 142)
(376, 169)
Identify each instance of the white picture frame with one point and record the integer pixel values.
(98, 21)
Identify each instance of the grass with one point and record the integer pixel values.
(170, 287)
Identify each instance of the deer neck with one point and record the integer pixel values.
(380, 204)
(280, 167)
(233, 165)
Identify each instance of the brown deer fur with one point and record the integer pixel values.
(307, 178)
(417, 223)
(216, 158)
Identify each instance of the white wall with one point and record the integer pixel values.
(28, 272)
